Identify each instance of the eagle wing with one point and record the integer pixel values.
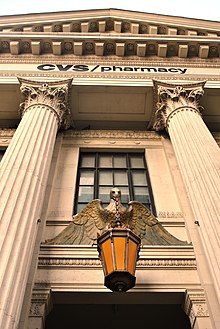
(148, 228)
(85, 227)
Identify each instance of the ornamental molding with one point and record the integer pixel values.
(122, 134)
(7, 132)
(52, 95)
(37, 310)
(145, 77)
(103, 32)
(86, 257)
(170, 214)
(172, 99)
(95, 263)
(6, 135)
(41, 302)
(112, 60)
(195, 306)
(109, 45)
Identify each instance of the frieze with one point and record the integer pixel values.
(142, 263)
(110, 68)
(170, 214)
(112, 134)
(92, 60)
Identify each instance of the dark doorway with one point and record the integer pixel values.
(123, 315)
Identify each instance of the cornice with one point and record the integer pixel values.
(109, 32)
(159, 257)
(107, 44)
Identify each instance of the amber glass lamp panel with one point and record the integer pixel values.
(119, 250)
(107, 256)
(132, 256)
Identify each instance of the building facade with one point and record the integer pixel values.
(96, 99)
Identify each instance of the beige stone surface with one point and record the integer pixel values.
(198, 156)
(114, 92)
(24, 172)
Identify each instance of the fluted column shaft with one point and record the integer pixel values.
(23, 177)
(198, 156)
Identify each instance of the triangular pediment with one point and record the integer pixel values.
(108, 20)
(109, 32)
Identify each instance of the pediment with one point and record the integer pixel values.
(107, 21)
(109, 32)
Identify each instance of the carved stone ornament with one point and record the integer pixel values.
(37, 309)
(114, 134)
(41, 301)
(195, 306)
(174, 98)
(52, 95)
(94, 220)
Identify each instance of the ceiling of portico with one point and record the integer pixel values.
(107, 107)
(109, 32)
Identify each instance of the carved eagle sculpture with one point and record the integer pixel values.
(94, 220)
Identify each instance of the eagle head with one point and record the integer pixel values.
(115, 193)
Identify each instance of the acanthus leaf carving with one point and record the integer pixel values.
(53, 95)
(173, 98)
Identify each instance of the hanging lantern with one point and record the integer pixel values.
(118, 250)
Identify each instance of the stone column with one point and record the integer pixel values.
(23, 177)
(198, 156)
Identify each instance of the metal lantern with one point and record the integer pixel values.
(118, 250)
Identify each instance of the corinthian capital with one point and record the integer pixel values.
(172, 98)
(54, 95)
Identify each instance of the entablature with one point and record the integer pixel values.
(109, 32)
(157, 257)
